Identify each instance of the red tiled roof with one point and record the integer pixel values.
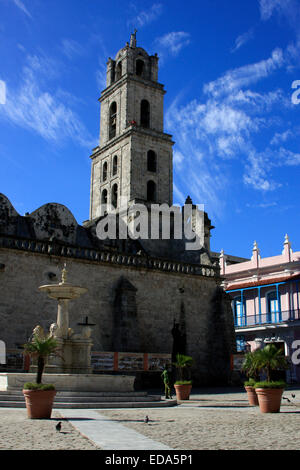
(244, 285)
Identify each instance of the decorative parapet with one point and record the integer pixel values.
(102, 256)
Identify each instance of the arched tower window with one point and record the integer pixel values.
(145, 113)
(151, 191)
(115, 165)
(119, 70)
(112, 120)
(151, 161)
(139, 67)
(114, 195)
(104, 196)
(104, 171)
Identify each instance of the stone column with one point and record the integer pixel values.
(63, 317)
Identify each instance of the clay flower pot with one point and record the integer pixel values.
(183, 391)
(269, 399)
(39, 403)
(252, 396)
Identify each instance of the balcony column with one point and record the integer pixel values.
(244, 321)
(278, 305)
(259, 305)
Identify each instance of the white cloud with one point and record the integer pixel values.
(173, 42)
(281, 137)
(243, 39)
(268, 7)
(288, 9)
(178, 159)
(246, 75)
(71, 48)
(256, 172)
(287, 157)
(22, 7)
(31, 107)
(263, 205)
(2, 92)
(147, 16)
(223, 126)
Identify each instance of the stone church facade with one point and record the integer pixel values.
(138, 289)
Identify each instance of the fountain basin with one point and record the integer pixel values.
(63, 291)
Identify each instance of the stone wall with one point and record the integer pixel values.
(158, 301)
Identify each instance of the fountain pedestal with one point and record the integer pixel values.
(74, 349)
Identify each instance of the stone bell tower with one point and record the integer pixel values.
(133, 162)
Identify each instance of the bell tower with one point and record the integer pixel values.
(133, 162)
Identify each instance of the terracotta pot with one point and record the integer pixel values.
(183, 391)
(252, 396)
(39, 403)
(269, 399)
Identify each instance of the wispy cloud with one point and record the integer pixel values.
(289, 9)
(172, 42)
(146, 16)
(280, 137)
(2, 92)
(224, 126)
(71, 48)
(243, 39)
(31, 107)
(246, 75)
(22, 7)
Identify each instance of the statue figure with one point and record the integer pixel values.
(64, 274)
(38, 331)
(53, 329)
(167, 381)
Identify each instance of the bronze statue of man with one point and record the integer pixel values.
(166, 378)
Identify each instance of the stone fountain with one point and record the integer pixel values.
(71, 371)
(75, 348)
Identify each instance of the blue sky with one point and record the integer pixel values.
(228, 69)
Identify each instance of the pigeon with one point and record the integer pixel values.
(146, 420)
(58, 426)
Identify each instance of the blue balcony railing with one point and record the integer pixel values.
(270, 318)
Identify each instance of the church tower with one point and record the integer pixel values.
(133, 162)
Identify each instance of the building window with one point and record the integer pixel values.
(273, 307)
(104, 196)
(241, 344)
(139, 67)
(239, 311)
(104, 171)
(151, 191)
(119, 70)
(112, 120)
(151, 161)
(114, 195)
(145, 114)
(115, 165)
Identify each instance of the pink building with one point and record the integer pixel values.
(266, 301)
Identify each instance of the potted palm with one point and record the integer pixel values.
(269, 392)
(251, 368)
(182, 386)
(38, 396)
